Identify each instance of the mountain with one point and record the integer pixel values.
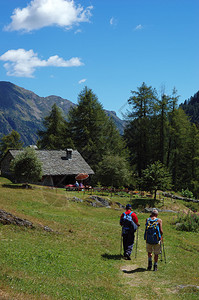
(24, 111)
(191, 108)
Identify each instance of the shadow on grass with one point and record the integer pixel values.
(17, 186)
(111, 256)
(138, 270)
(143, 202)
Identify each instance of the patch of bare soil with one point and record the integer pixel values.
(134, 272)
(137, 276)
(4, 295)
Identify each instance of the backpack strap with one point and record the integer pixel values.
(149, 219)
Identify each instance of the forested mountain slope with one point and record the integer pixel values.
(191, 108)
(24, 111)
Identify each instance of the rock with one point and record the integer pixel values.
(179, 226)
(188, 286)
(46, 228)
(149, 210)
(120, 205)
(179, 197)
(75, 199)
(7, 219)
(100, 201)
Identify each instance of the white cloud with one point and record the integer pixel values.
(42, 13)
(138, 27)
(113, 21)
(82, 81)
(78, 31)
(22, 63)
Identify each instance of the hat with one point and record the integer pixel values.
(128, 206)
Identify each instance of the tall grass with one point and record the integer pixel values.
(188, 222)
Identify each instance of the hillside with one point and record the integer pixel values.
(80, 258)
(191, 108)
(24, 111)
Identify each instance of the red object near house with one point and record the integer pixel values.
(81, 176)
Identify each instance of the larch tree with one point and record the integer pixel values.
(137, 132)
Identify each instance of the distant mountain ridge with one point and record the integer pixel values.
(24, 111)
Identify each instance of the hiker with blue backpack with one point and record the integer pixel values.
(129, 223)
(153, 236)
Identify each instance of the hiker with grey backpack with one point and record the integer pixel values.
(129, 223)
(153, 236)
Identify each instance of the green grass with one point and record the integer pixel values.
(81, 258)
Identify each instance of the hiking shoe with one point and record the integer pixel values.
(127, 257)
(155, 268)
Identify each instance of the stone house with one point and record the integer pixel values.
(59, 167)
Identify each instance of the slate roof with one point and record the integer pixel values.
(55, 162)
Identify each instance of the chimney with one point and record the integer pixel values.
(68, 153)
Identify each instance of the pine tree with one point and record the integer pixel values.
(56, 135)
(93, 133)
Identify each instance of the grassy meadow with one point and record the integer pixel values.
(81, 259)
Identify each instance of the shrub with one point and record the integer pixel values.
(26, 166)
(193, 206)
(187, 222)
(186, 193)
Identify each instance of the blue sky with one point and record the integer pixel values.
(56, 47)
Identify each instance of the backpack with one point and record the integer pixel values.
(152, 231)
(127, 223)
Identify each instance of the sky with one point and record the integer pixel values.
(57, 47)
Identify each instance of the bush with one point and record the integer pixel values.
(186, 193)
(193, 206)
(26, 166)
(187, 222)
(114, 171)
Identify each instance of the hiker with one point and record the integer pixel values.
(153, 236)
(129, 223)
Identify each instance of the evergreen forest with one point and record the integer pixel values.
(157, 133)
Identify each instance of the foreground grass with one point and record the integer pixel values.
(81, 258)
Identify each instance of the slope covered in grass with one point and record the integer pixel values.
(80, 259)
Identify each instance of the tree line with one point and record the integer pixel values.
(159, 141)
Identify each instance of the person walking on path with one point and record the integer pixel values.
(129, 223)
(153, 236)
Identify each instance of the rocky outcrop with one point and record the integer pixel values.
(7, 218)
(99, 201)
(179, 197)
(149, 210)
